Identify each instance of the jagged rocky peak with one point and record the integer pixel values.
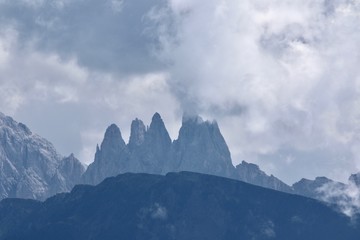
(248, 166)
(112, 138)
(193, 126)
(71, 166)
(192, 118)
(355, 179)
(137, 134)
(251, 173)
(318, 181)
(157, 131)
(68, 174)
(149, 147)
(310, 188)
(201, 147)
(110, 159)
(29, 164)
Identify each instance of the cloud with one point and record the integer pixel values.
(71, 104)
(283, 74)
(103, 35)
(27, 75)
(281, 77)
(346, 197)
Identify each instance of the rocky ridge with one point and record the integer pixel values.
(200, 147)
(30, 167)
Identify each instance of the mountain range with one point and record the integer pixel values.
(200, 147)
(31, 167)
(175, 206)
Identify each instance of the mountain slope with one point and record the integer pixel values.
(30, 167)
(176, 206)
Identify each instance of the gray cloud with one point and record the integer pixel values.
(347, 197)
(281, 77)
(103, 35)
(291, 65)
(69, 103)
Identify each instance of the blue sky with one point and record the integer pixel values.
(280, 77)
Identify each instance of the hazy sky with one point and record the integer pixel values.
(281, 77)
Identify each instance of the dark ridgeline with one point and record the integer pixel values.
(176, 206)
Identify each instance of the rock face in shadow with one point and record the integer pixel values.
(30, 167)
(176, 206)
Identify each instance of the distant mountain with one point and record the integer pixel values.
(200, 147)
(176, 206)
(30, 167)
(344, 197)
(251, 173)
(312, 188)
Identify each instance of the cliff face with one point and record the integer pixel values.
(201, 147)
(30, 167)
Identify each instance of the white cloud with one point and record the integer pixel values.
(29, 75)
(347, 198)
(43, 90)
(283, 74)
(281, 77)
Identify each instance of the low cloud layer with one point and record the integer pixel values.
(281, 77)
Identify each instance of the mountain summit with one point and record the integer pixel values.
(30, 167)
(200, 147)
